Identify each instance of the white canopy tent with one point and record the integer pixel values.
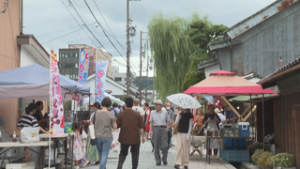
(32, 82)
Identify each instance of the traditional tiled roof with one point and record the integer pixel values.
(282, 69)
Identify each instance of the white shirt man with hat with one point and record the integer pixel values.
(159, 127)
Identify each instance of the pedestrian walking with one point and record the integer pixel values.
(147, 115)
(172, 122)
(104, 122)
(159, 126)
(212, 120)
(185, 123)
(115, 110)
(92, 151)
(128, 121)
(137, 108)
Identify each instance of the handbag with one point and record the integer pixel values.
(93, 141)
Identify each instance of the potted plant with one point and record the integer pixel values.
(264, 160)
(256, 155)
(282, 161)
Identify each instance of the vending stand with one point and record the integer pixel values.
(233, 137)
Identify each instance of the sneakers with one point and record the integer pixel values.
(186, 167)
(176, 166)
(76, 167)
(84, 164)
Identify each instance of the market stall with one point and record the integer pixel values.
(223, 83)
(34, 82)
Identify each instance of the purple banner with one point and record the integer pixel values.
(100, 76)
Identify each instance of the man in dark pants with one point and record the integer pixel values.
(129, 120)
(172, 121)
(159, 127)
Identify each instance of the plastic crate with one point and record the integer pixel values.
(233, 144)
(230, 132)
(244, 129)
(235, 155)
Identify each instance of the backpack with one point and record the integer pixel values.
(115, 112)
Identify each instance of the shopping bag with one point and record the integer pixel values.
(30, 134)
(93, 135)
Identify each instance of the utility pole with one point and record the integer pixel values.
(141, 66)
(128, 51)
(128, 47)
(147, 77)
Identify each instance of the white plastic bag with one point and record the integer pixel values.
(30, 134)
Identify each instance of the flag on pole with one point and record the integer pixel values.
(101, 68)
(57, 109)
(84, 60)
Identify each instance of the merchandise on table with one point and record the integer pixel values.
(30, 134)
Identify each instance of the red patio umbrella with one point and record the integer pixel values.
(223, 83)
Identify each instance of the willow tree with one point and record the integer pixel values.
(171, 47)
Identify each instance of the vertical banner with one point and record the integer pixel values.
(83, 67)
(101, 68)
(57, 109)
(84, 60)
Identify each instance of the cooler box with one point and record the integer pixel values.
(233, 144)
(20, 166)
(244, 129)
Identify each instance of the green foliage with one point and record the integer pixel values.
(170, 49)
(282, 160)
(203, 32)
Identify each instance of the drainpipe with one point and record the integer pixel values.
(219, 60)
(231, 55)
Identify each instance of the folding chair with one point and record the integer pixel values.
(197, 142)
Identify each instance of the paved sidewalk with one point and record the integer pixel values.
(147, 160)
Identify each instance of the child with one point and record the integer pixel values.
(84, 131)
(79, 144)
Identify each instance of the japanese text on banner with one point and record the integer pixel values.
(101, 68)
(57, 109)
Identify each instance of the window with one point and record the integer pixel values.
(118, 79)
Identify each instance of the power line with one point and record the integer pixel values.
(65, 34)
(109, 26)
(102, 28)
(78, 23)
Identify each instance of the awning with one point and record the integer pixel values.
(32, 82)
(223, 83)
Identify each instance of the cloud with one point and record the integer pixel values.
(49, 20)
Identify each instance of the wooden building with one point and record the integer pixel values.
(286, 108)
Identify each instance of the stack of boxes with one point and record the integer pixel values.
(233, 145)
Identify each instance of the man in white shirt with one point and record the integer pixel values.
(137, 108)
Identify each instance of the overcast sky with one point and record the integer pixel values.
(49, 20)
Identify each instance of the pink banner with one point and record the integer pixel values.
(57, 108)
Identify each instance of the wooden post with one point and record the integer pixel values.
(228, 103)
(249, 114)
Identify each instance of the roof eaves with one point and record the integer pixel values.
(283, 69)
(222, 44)
(209, 63)
(260, 16)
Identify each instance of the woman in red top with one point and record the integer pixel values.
(147, 117)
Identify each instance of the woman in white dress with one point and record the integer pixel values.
(212, 120)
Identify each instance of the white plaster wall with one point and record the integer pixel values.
(107, 86)
(26, 58)
(212, 69)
